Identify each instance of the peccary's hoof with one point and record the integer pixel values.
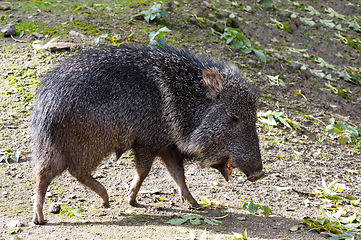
(38, 221)
(132, 202)
(105, 205)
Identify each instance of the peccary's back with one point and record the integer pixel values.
(118, 96)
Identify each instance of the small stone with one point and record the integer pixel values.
(54, 208)
(4, 7)
(278, 56)
(76, 34)
(48, 194)
(5, 193)
(14, 223)
(207, 4)
(58, 46)
(8, 30)
(38, 35)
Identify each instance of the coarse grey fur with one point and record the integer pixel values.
(156, 101)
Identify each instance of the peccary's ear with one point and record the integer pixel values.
(213, 82)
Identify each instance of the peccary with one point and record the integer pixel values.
(156, 101)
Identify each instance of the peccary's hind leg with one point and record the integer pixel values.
(143, 163)
(45, 173)
(87, 180)
(173, 160)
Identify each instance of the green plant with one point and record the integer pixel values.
(275, 80)
(194, 220)
(273, 118)
(6, 153)
(99, 40)
(154, 12)
(253, 208)
(343, 219)
(160, 33)
(243, 236)
(338, 91)
(264, 2)
(351, 74)
(343, 132)
(239, 40)
(297, 154)
(282, 26)
(71, 212)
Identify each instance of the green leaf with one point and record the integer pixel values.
(177, 222)
(276, 188)
(230, 39)
(63, 211)
(163, 13)
(260, 55)
(195, 221)
(246, 50)
(161, 41)
(16, 156)
(211, 222)
(252, 208)
(308, 21)
(294, 228)
(266, 210)
(246, 41)
(15, 238)
(238, 44)
(325, 215)
(164, 29)
(269, 120)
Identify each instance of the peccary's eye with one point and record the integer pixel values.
(234, 118)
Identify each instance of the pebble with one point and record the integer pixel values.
(38, 35)
(8, 30)
(13, 224)
(54, 208)
(4, 7)
(48, 194)
(76, 34)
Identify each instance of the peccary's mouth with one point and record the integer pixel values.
(255, 176)
(225, 168)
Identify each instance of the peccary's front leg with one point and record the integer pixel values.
(173, 160)
(143, 163)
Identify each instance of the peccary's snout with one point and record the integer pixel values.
(255, 176)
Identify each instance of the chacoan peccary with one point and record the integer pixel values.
(161, 102)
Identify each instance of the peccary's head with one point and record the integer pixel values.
(227, 136)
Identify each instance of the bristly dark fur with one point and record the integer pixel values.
(155, 101)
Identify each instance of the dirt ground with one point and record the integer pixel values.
(310, 57)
